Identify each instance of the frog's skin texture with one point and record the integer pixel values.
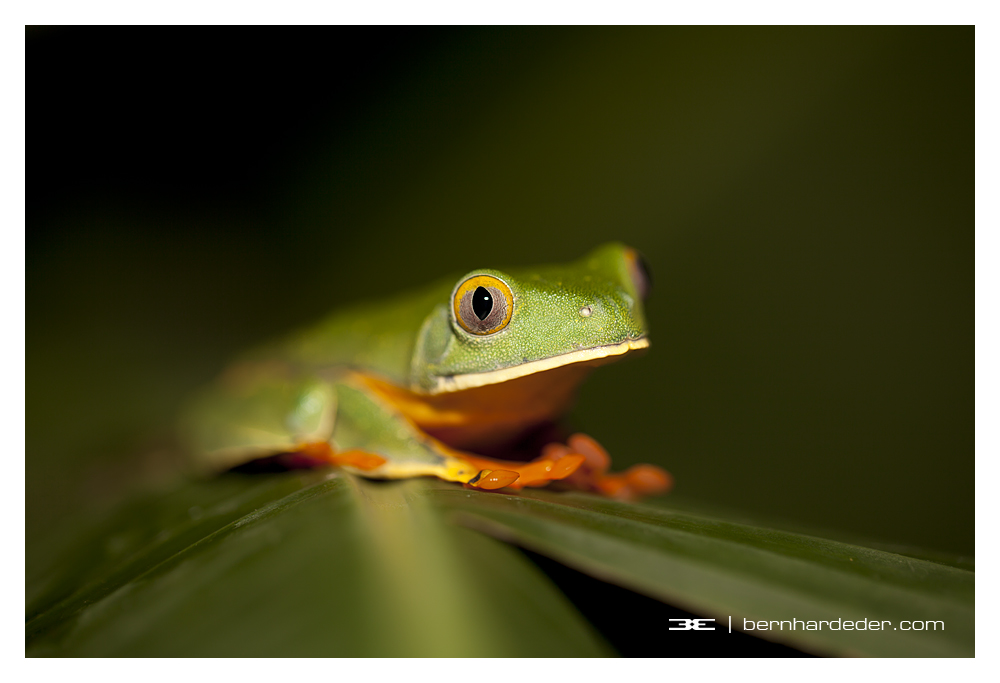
(444, 382)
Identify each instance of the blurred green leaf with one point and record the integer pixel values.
(299, 564)
(313, 563)
(723, 569)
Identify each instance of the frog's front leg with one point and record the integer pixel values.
(372, 439)
(368, 427)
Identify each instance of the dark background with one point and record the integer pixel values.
(804, 196)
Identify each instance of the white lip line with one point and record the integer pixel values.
(480, 379)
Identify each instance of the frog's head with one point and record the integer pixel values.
(498, 326)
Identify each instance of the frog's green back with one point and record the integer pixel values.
(377, 337)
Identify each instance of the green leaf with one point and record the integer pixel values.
(314, 563)
(300, 564)
(723, 569)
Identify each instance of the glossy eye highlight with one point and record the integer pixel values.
(483, 304)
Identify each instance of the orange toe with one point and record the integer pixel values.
(598, 459)
(648, 479)
(566, 466)
(541, 471)
(554, 452)
(493, 479)
(612, 485)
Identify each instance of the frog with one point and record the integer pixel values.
(464, 380)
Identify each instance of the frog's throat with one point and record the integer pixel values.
(445, 385)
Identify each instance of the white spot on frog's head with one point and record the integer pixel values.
(586, 311)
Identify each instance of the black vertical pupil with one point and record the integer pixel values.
(482, 302)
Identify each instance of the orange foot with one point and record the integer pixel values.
(495, 474)
(632, 484)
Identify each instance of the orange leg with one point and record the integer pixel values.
(493, 474)
(581, 463)
(323, 452)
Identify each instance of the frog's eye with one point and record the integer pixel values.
(639, 270)
(483, 304)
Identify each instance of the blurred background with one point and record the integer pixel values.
(804, 197)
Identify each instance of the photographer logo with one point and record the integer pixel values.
(692, 625)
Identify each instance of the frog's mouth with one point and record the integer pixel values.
(487, 412)
(592, 357)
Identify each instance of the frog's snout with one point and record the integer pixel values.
(616, 312)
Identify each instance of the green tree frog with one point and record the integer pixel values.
(462, 381)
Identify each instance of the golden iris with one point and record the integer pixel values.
(483, 304)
